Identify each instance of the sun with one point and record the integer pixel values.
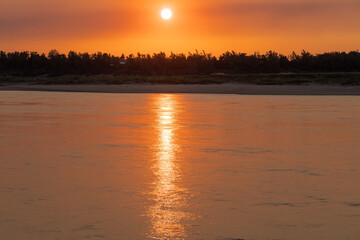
(166, 14)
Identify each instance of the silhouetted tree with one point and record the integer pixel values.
(32, 63)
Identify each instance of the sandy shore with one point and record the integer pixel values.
(211, 88)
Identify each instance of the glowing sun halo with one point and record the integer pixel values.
(166, 13)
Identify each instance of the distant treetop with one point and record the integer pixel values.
(54, 63)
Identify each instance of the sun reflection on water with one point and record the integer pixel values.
(168, 217)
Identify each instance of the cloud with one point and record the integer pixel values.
(284, 8)
(54, 24)
(282, 16)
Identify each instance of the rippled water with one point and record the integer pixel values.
(165, 166)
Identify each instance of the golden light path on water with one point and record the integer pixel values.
(167, 215)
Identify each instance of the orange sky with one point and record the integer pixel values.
(119, 26)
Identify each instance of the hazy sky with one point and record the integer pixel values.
(119, 26)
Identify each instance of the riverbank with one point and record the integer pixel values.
(231, 88)
(333, 78)
(253, 84)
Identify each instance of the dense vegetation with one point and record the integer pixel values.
(56, 64)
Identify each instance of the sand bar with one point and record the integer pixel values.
(194, 88)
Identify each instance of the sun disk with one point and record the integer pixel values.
(166, 14)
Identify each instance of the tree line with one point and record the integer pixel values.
(54, 63)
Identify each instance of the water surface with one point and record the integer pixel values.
(177, 166)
